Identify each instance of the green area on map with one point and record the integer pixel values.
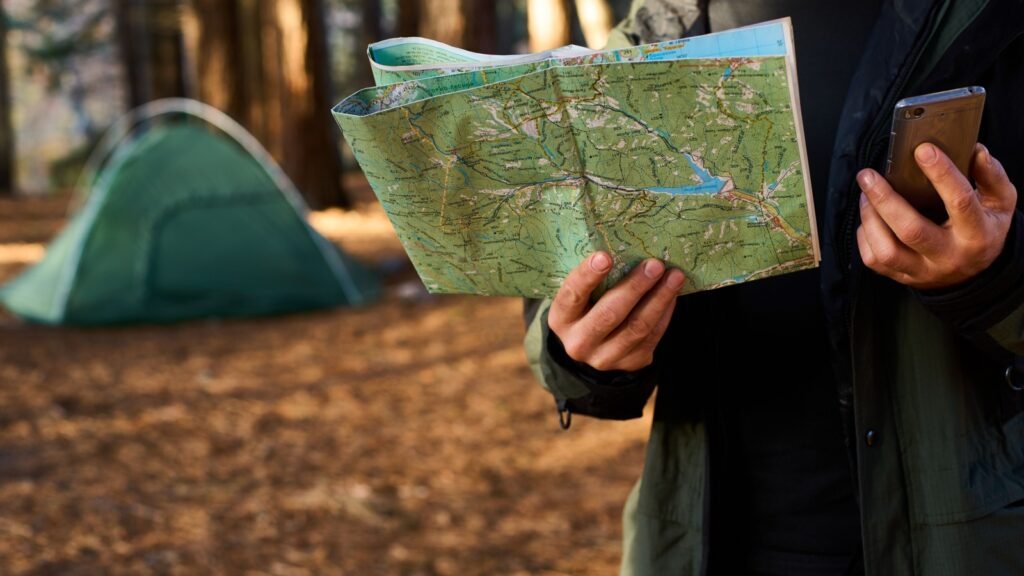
(503, 186)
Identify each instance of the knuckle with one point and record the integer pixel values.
(886, 255)
(913, 233)
(603, 319)
(638, 328)
(869, 259)
(575, 349)
(570, 295)
(962, 201)
(555, 323)
(866, 255)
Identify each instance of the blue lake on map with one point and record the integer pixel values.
(708, 184)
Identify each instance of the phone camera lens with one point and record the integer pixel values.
(918, 112)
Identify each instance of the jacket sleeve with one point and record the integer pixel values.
(660, 20)
(576, 387)
(989, 308)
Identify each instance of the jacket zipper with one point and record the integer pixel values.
(869, 151)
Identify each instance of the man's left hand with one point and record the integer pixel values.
(896, 241)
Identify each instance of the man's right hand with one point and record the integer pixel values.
(621, 330)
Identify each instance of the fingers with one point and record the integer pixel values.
(590, 332)
(909, 226)
(994, 187)
(880, 249)
(897, 242)
(957, 194)
(631, 346)
(643, 355)
(573, 298)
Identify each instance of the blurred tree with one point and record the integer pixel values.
(444, 22)
(409, 17)
(309, 138)
(548, 24)
(151, 45)
(212, 31)
(596, 19)
(480, 34)
(469, 24)
(265, 63)
(371, 32)
(372, 21)
(6, 129)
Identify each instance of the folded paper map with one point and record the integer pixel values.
(500, 174)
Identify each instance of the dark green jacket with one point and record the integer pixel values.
(929, 383)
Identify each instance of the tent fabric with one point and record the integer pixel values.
(182, 222)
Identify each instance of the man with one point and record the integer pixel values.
(864, 418)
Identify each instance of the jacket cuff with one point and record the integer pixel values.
(980, 303)
(614, 394)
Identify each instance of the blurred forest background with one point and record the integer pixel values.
(407, 437)
(69, 68)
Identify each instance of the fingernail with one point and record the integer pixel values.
(866, 178)
(925, 154)
(675, 280)
(863, 200)
(600, 262)
(654, 269)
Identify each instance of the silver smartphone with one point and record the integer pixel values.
(949, 120)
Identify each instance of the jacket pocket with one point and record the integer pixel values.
(969, 478)
(989, 545)
(961, 443)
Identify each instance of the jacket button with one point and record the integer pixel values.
(871, 438)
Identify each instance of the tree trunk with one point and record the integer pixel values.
(481, 33)
(409, 17)
(151, 46)
(263, 62)
(444, 22)
(212, 37)
(298, 99)
(7, 159)
(596, 19)
(371, 32)
(548, 24)
(469, 24)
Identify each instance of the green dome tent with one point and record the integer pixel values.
(181, 222)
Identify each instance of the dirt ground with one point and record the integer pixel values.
(403, 438)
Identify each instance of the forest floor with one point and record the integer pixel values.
(407, 437)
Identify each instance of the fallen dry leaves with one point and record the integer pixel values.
(403, 438)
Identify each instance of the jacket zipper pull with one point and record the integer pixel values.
(564, 414)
